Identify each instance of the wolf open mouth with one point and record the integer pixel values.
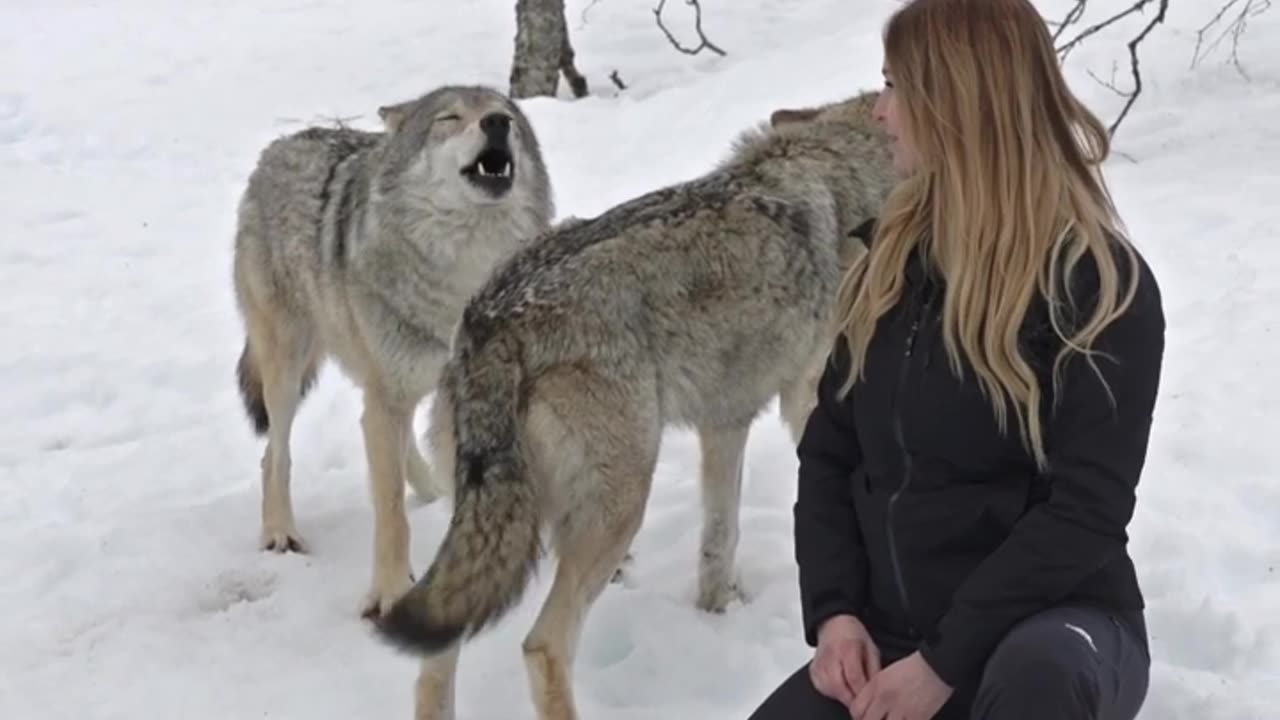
(493, 170)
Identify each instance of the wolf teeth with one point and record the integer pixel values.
(504, 172)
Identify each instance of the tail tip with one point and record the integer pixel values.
(412, 632)
(258, 418)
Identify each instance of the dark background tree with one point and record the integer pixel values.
(543, 51)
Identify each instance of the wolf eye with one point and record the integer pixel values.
(447, 118)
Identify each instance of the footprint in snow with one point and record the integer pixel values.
(236, 587)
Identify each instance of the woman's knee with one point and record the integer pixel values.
(1043, 670)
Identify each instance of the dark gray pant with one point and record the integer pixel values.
(1067, 663)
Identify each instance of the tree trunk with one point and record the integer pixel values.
(542, 51)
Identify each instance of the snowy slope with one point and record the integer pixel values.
(129, 478)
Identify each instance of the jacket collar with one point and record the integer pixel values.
(917, 272)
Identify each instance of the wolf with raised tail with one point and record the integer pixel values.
(364, 247)
(694, 305)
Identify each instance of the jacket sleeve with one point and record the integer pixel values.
(1096, 442)
(829, 550)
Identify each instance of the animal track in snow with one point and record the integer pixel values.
(234, 587)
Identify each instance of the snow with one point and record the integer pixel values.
(129, 476)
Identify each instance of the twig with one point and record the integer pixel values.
(1235, 29)
(1133, 65)
(617, 80)
(339, 122)
(586, 10)
(1073, 16)
(697, 25)
(1137, 7)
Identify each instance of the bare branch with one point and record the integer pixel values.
(1244, 10)
(1133, 64)
(617, 80)
(1073, 16)
(1066, 49)
(586, 10)
(697, 24)
(1131, 96)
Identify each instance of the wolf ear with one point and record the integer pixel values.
(393, 115)
(788, 116)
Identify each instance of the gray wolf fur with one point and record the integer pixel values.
(364, 247)
(696, 305)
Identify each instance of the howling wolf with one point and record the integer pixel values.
(365, 246)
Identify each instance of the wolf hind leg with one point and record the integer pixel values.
(605, 451)
(434, 480)
(723, 449)
(419, 474)
(434, 695)
(285, 355)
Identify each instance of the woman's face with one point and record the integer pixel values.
(887, 114)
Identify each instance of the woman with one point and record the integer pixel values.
(968, 474)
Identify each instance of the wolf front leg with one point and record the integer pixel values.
(722, 456)
(387, 434)
(797, 400)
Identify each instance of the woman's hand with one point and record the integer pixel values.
(846, 659)
(906, 690)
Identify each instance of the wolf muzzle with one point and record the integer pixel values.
(494, 168)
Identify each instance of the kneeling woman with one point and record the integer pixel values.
(968, 475)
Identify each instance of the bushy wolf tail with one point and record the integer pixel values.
(493, 542)
(250, 381)
(249, 378)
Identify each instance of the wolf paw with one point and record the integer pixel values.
(715, 597)
(282, 539)
(384, 594)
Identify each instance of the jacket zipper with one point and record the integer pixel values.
(894, 561)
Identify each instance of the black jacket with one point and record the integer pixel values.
(916, 514)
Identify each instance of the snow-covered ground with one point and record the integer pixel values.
(131, 582)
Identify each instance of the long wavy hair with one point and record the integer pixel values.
(1005, 199)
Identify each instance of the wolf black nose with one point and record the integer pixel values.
(495, 124)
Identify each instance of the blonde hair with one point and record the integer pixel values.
(1005, 199)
